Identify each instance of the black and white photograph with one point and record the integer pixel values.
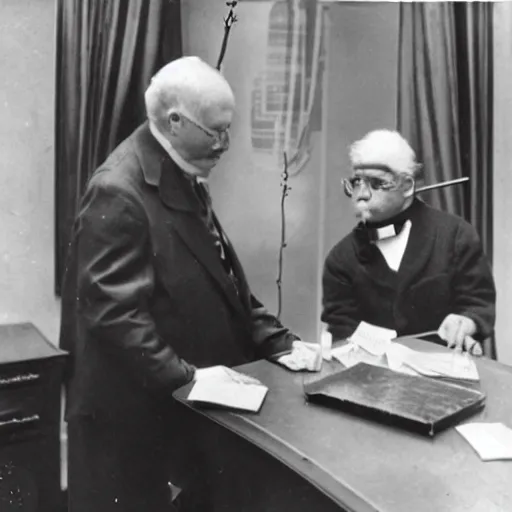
(256, 256)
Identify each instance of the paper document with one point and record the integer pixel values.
(372, 338)
(304, 356)
(492, 441)
(351, 354)
(450, 364)
(233, 390)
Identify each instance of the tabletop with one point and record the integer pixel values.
(366, 466)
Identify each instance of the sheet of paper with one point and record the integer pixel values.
(372, 338)
(395, 355)
(234, 395)
(350, 354)
(451, 364)
(492, 441)
(227, 374)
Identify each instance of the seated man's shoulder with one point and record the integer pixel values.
(342, 250)
(449, 222)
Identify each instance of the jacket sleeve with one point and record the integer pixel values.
(270, 337)
(114, 284)
(474, 289)
(340, 309)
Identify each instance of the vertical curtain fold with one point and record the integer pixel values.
(445, 103)
(475, 37)
(107, 51)
(428, 96)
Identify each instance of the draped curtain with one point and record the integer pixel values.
(445, 103)
(107, 51)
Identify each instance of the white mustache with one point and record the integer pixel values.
(362, 211)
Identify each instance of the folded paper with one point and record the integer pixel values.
(230, 389)
(491, 441)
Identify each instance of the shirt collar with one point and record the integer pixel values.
(190, 170)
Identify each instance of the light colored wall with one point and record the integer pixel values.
(362, 94)
(502, 176)
(362, 45)
(245, 187)
(26, 164)
(358, 95)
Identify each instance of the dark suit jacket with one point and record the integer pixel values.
(145, 296)
(443, 271)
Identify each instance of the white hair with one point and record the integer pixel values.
(187, 83)
(385, 148)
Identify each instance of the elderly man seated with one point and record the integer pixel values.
(405, 266)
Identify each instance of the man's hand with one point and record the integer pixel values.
(304, 356)
(458, 332)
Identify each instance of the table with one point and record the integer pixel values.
(302, 457)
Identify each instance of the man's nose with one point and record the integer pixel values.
(362, 191)
(222, 142)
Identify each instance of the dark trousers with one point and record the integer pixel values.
(117, 466)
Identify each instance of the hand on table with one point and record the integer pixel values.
(458, 332)
(304, 356)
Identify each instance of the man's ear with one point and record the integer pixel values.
(408, 186)
(174, 121)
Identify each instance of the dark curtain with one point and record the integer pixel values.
(445, 103)
(107, 51)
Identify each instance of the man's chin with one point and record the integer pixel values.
(363, 216)
(207, 164)
(204, 167)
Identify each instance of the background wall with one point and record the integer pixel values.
(363, 60)
(358, 94)
(502, 176)
(26, 164)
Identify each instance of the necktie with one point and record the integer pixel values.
(205, 200)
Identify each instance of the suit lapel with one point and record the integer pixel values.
(416, 255)
(196, 236)
(373, 263)
(183, 207)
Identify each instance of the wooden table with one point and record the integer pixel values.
(301, 457)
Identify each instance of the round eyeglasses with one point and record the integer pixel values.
(219, 136)
(372, 183)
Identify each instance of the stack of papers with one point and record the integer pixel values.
(455, 365)
(372, 338)
(492, 441)
(373, 345)
(350, 354)
(229, 389)
(368, 344)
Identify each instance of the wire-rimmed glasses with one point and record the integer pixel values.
(372, 183)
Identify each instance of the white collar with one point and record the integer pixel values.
(185, 166)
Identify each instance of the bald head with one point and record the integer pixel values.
(385, 148)
(187, 84)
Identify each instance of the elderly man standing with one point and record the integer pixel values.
(154, 296)
(405, 266)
